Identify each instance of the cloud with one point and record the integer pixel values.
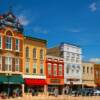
(39, 30)
(23, 20)
(93, 6)
(96, 60)
(74, 30)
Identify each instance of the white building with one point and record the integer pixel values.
(72, 55)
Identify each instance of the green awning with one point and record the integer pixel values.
(14, 79)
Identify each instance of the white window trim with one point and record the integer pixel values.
(26, 67)
(18, 65)
(11, 43)
(9, 64)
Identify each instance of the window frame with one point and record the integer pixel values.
(1, 42)
(17, 45)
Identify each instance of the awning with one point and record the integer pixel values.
(14, 79)
(32, 82)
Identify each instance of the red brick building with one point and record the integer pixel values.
(97, 74)
(11, 53)
(55, 73)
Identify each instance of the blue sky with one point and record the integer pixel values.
(73, 21)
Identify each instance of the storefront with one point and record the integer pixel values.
(11, 83)
(34, 85)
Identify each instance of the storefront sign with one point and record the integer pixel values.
(55, 80)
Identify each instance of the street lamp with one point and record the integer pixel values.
(8, 77)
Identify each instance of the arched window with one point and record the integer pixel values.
(41, 54)
(34, 53)
(9, 35)
(27, 52)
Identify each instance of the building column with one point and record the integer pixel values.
(45, 89)
(23, 89)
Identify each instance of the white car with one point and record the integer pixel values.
(97, 92)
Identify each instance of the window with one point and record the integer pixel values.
(27, 52)
(17, 65)
(34, 68)
(60, 70)
(0, 42)
(55, 69)
(67, 68)
(49, 69)
(87, 69)
(8, 42)
(34, 53)
(91, 70)
(8, 64)
(0, 62)
(27, 67)
(41, 54)
(83, 69)
(17, 44)
(41, 69)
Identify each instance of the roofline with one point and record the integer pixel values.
(36, 39)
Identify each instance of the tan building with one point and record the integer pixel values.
(88, 74)
(34, 64)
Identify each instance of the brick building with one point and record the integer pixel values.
(54, 73)
(11, 53)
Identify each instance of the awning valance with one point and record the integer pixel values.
(32, 82)
(13, 79)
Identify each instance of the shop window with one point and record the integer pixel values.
(17, 65)
(60, 70)
(0, 42)
(55, 69)
(17, 44)
(27, 67)
(8, 63)
(34, 68)
(41, 69)
(41, 54)
(34, 53)
(27, 52)
(0, 63)
(49, 69)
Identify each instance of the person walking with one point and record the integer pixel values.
(56, 92)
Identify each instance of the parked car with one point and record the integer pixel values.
(97, 92)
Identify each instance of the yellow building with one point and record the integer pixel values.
(34, 64)
(88, 74)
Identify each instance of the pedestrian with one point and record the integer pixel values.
(56, 92)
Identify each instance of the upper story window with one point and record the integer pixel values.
(87, 69)
(34, 53)
(83, 69)
(41, 54)
(0, 42)
(27, 52)
(41, 69)
(17, 65)
(8, 42)
(34, 68)
(91, 70)
(17, 44)
(60, 70)
(49, 69)
(8, 63)
(27, 65)
(0, 63)
(55, 69)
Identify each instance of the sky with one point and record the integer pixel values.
(73, 21)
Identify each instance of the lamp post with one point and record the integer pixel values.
(8, 77)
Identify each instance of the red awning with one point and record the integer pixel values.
(32, 82)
